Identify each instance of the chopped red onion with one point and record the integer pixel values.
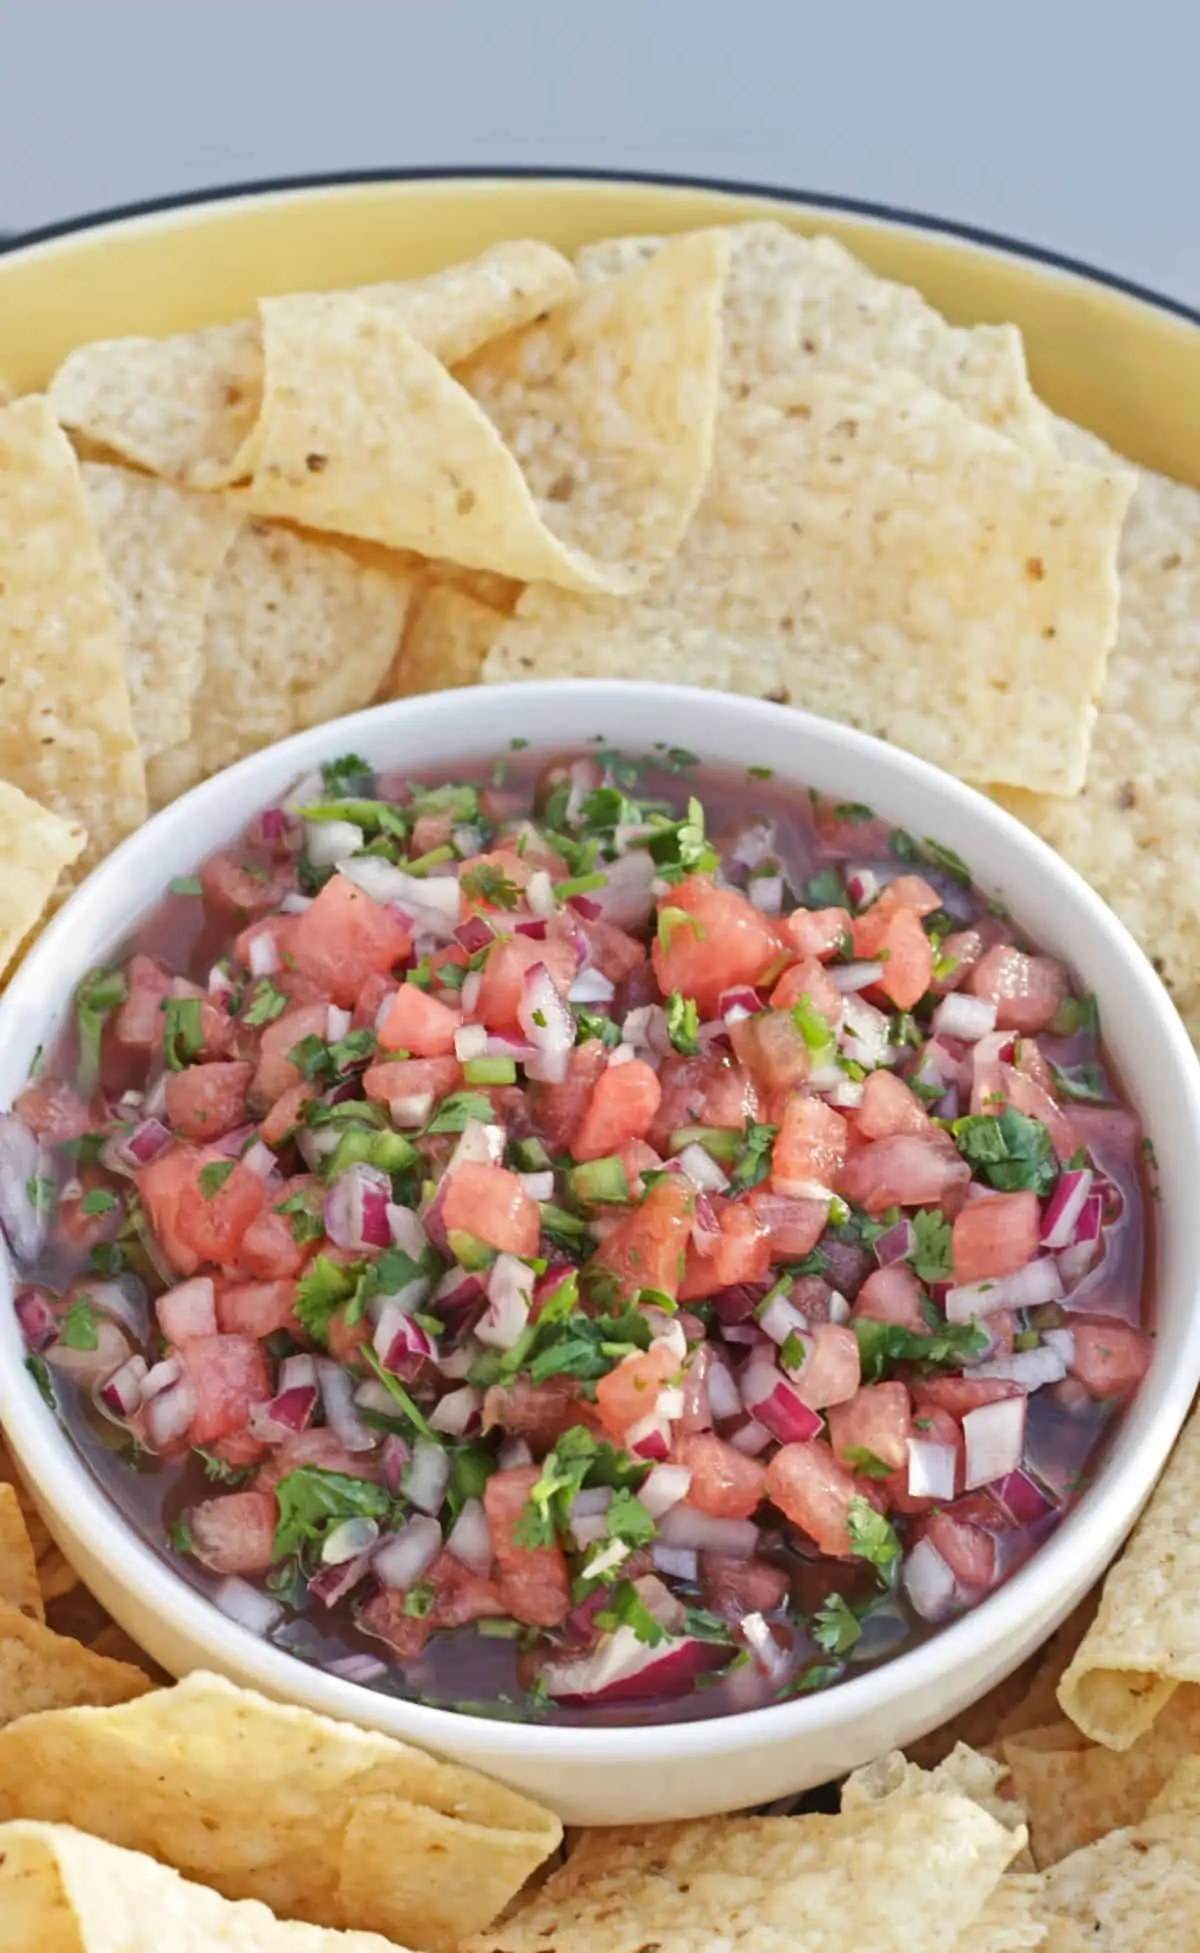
(703, 1532)
(260, 1160)
(1062, 1342)
(645, 1029)
(896, 1245)
(851, 977)
(775, 1402)
(356, 1205)
(1065, 1207)
(360, 1668)
(766, 893)
(847, 1095)
(931, 1469)
(161, 1377)
(332, 1583)
(287, 1411)
(458, 1298)
(862, 884)
(864, 1033)
(627, 899)
(247, 1605)
(753, 846)
(548, 1024)
(539, 894)
(961, 1016)
(406, 1231)
(995, 1440)
(401, 1343)
(621, 1667)
(349, 1540)
(427, 1476)
(677, 1562)
(394, 1459)
(121, 1395)
(591, 987)
(478, 1145)
(751, 1438)
(513, 1452)
(337, 1023)
(839, 1308)
(189, 1309)
(771, 1658)
(470, 1538)
(1038, 1282)
(294, 903)
(402, 1560)
(702, 1170)
(329, 843)
(474, 934)
(36, 1317)
(510, 1293)
(931, 1587)
(1031, 1368)
(531, 926)
(168, 1416)
(341, 1414)
(433, 903)
(470, 1041)
(664, 1487)
(650, 1437)
(735, 1005)
(262, 956)
(143, 1144)
(458, 1412)
(724, 1397)
(233, 1142)
(585, 907)
(781, 1319)
(1022, 1498)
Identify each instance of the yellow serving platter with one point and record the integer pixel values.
(1121, 362)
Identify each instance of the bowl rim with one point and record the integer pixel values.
(245, 189)
(1102, 1515)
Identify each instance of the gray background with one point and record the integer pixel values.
(1068, 122)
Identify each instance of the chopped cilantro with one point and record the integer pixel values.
(461, 802)
(419, 1600)
(669, 920)
(819, 1676)
(1013, 1153)
(266, 1004)
(589, 1025)
(865, 1462)
(880, 1344)
(183, 1038)
(212, 1178)
(814, 1027)
(628, 1519)
(587, 1347)
(835, 1627)
(185, 885)
(945, 858)
(902, 846)
(98, 1201)
(312, 1501)
(306, 1224)
(396, 1389)
(338, 774)
(180, 1537)
(517, 745)
(39, 1370)
(931, 1257)
(87, 1148)
(373, 816)
(80, 1327)
(825, 891)
(97, 996)
(320, 1292)
(872, 1538)
(754, 1160)
(317, 1061)
(680, 848)
(760, 772)
(853, 811)
(1083, 1083)
(579, 1459)
(683, 1024)
(626, 1608)
(706, 1626)
(219, 1471)
(107, 1258)
(489, 883)
(792, 1351)
(456, 1109)
(1075, 1015)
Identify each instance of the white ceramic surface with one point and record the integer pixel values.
(684, 1770)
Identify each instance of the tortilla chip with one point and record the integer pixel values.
(868, 552)
(1039, 1704)
(445, 644)
(318, 1819)
(55, 1574)
(1135, 1891)
(162, 550)
(35, 847)
(186, 407)
(119, 1646)
(963, 1773)
(43, 1670)
(1131, 832)
(63, 1892)
(1181, 1792)
(66, 732)
(497, 592)
(575, 449)
(18, 1567)
(1145, 1639)
(1011, 1920)
(297, 633)
(1076, 1795)
(793, 301)
(911, 1873)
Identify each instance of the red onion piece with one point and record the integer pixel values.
(932, 1590)
(738, 1003)
(770, 1656)
(402, 1560)
(168, 1416)
(457, 1413)
(470, 1537)
(703, 1532)
(931, 1469)
(704, 1172)
(548, 1024)
(995, 1440)
(677, 1562)
(333, 1583)
(896, 1245)
(473, 935)
(664, 1487)
(360, 1668)
(478, 1145)
(356, 1208)
(852, 977)
(738, 1304)
(262, 956)
(775, 1403)
(1022, 1498)
(406, 1231)
(121, 1396)
(394, 1459)
(509, 1295)
(513, 1452)
(337, 1397)
(189, 1309)
(1065, 1207)
(724, 1398)
(36, 1318)
(1038, 1282)
(458, 1300)
(470, 1042)
(621, 1667)
(247, 1605)
(1031, 1368)
(649, 1438)
(401, 1344)
(961, 1016)
(146, 1142)
(288, 1411)
(750, 1438)
(781, 1319)
(427, 1477)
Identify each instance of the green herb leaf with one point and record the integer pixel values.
(220, 1472)
(320, 1293)
(1012, 1152)
(488, 883)
(39, 1370)
(96, 997)
(396, 1389)
(588, 1024)
(98, 1201)
(865, 1462)
(306, 1224)
(931, 1258)
(266, 1004)
(313, 1501)
(80, 1327)
(626, 1608)
(669, 920)
(212, 1178)
(754, 1160)
(945, 858)
(882, 1344)
(180, 1537)
(835, 1627)
(456, 1109)
(628, 1519)
(1085, 1084)
(339, 773)
(183, 1038)
(373, 816)
(185, 885)
(683, 1024)
(872, 1538)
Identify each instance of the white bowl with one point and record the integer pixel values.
(596, 1776)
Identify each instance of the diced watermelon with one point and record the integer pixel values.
(811, 1489)
(646, 1248)
(534, 1581)
(227, 1374)
(626, 1395)
(622, 1106)
(276, 1074)
(491, 1203)
(255, 1308)
(205, 1101)
(1110, 1358)
(908, 1170)
(709, 939)
(419, 1025)
(725, 1482)
(892, 1294)
(877, 1422)
(344, 938)
(1026, 990)
(995, 1236)
(809, 1149)
(889, 1106)
(235, 1533)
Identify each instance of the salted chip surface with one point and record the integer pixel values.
(792, 301)
(18, 1566)
(867, 551)
(66, 728)
(575, 449)
(297, 632)
(962, 1773)
(186, 407)
(911, 1873)
(447, 640)
(35, 847)
(1134, 1891)
(1131, 832)
(64, 1892)
(56, 1576)
(163, 549)
(1075, 1793)
(1145, 1639)
(318, 1819)
(43, 1670)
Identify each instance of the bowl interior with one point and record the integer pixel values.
(1125, 367)
(1145, 1039)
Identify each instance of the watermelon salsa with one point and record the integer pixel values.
(598, 1239)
